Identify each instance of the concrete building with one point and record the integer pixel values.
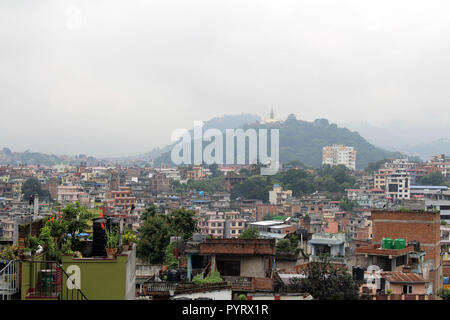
(327, 244)
(398, 185)
(339, 155)
(411, 225)
(279, 196)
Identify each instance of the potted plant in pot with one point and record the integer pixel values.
(112, 240)
(128, 239)
(33, 244)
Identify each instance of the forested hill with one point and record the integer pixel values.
(303, 141)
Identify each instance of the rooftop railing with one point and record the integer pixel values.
(48, 280)
(9, 282)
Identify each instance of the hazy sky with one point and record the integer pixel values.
(116, 77)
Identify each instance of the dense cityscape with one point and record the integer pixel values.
(226, 232)
(224, 158)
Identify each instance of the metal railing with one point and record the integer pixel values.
(48, 280)
(239, 282)
(9, 282)
(160, 286)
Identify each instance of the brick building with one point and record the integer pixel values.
(422, 226)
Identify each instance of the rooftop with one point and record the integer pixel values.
(402, 277)
(266, 223)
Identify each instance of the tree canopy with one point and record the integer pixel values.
(250, 233)
(327, 282)
(33, 186)
(155, 233)
(434, 179)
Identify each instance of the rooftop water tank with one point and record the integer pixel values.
(399, 243)
(98, 237)
(387, 243)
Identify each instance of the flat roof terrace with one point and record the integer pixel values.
(376, 250)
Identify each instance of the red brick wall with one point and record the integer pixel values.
(262, 284)
(263, 209)
(421, 226)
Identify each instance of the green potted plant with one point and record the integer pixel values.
(112, 240)
(128, 238)
(33, 244)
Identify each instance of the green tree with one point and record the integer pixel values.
(255, 187)
(154, 236)
(250, 233)
(374, 166)
(215, 172)
(327, 282)
(434, 179)
(77, 219)
(33, 186)
(444, 294)
(347, 205)
(284, 246)
(149, 212)
(183, 222)
(169, 258)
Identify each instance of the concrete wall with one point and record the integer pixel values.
(215, 295)
(130, 282)
(397, 288)
(253, 267)
(103, 279)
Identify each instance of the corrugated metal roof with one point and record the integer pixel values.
(398, 276)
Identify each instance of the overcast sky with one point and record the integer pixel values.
(116, 77)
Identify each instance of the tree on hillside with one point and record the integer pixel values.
(347, 205)
(255, 187)
(374, 166)
(434, 179)
(211, 185)
(215, 172)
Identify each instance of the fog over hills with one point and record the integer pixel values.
(414, 140)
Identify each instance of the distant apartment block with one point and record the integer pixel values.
(398, 185)
(338, 154)
(279, 196)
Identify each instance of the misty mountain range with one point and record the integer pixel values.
(419, 141)
(299, 140)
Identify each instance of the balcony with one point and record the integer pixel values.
(47, 280)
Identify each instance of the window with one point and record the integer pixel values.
(407, 289)
(393, 187)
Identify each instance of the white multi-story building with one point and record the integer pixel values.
(278, 195)
(398, 185)
(338, 154)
